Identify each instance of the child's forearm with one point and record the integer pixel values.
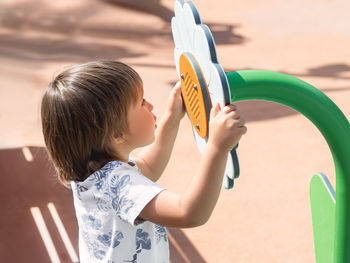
(157, 155)
(200, 197)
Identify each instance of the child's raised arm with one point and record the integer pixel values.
(155, 157)
(194, 207)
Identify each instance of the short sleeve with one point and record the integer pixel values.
(130, 192)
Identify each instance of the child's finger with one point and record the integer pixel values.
(230, 107)
(177, 88)
(214, 110)
(177, 85)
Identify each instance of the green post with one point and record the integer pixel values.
(328, 118)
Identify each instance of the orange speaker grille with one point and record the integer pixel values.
(195, 93)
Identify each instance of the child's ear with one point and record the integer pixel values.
(117, 138)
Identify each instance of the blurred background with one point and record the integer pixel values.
(266, 217)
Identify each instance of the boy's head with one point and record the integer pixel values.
(86, 113)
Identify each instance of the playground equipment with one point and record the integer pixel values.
(204, 82)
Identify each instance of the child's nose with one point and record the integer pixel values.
(150, 106)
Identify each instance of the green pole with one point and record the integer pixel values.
(328, 118)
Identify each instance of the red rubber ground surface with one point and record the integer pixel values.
(266, 217)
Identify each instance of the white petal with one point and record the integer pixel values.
(182, 28)
(177, 54)
(217, 85)
(213, 99)
(201, 52)
(225, 182)
(229, 171)
(176, 33)
(195, 12)
(178, 8)
(211, 42)
(190, 23)
(199, 140)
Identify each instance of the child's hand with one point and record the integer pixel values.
(176, 107)
(225, 126)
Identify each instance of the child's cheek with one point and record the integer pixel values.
(144, 124)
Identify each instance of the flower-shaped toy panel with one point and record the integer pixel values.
(192, 36)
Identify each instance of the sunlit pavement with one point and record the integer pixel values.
(266, 217)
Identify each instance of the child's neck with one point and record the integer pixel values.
(124, 159)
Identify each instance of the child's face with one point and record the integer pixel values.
(142, 123)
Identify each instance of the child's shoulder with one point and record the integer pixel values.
(114, 166)
(111, 175)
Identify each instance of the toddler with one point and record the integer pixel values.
(93, 116)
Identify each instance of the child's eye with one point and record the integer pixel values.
(143, 102)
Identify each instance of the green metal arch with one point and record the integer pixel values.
(328, 118)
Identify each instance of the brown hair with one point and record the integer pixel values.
(81, 109)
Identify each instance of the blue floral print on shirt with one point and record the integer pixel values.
(91, 222)
(160, 233)
(79, 189)
(114, 190)
(99, 177)
(111, 240)
(109, 191)
(142, 242)
(120, 189)
(92, 246)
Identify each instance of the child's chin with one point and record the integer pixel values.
(152, 139)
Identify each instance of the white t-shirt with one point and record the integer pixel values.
(107, 206)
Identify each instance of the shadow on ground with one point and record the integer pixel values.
(29, 180)
(59, 31)
(66, 47)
